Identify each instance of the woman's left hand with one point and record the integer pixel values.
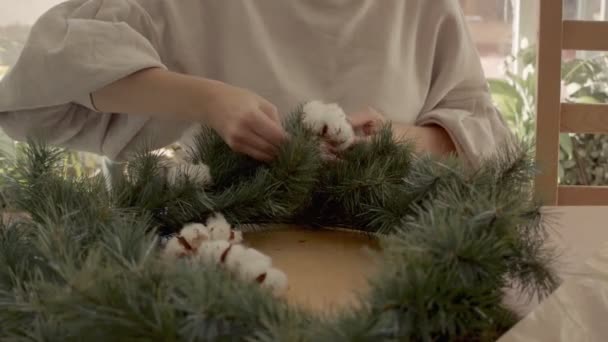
(366, 122)
(431, 139)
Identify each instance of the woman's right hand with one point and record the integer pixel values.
(248, 123)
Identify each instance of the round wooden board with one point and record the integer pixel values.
(327, 269)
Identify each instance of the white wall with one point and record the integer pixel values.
(23, 11)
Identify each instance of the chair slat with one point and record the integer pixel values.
(548, 100)
(585, 35)
(583, 195)
(584, 118)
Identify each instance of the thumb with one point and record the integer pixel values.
(365, 117)
(359, 119)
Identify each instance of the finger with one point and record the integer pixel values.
(328, 153)
(368, 128)
(269, 130)
(256, 153)
(258, 143)
(371, 129)
(359, 119)
(327, 146)
(374, 113)
(270, 110)
(365, 117)
(362, 139)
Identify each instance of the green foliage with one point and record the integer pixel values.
(86, 266)
(582, 156)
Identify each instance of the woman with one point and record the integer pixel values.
(107, 75)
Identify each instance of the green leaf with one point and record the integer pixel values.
(565, 144)
(587, 99)
(527, 56)
(569, 164)
(508, 99)
(581, 71)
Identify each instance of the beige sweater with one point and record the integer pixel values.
(411, 59)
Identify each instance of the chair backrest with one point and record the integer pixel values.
(555, 117)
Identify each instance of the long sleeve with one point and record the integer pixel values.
(73, 50)
(412, 59)
(458, 99)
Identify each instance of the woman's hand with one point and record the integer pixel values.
(426, 139)
(366, 122)
(248, 123)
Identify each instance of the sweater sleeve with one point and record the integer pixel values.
(73, 50)
(459, 99)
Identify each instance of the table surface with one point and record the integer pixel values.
(578, 310)
(328, 269)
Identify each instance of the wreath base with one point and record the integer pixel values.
(328, 269)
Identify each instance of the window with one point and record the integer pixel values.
(491, 25)
(583, 157)
(503, 27)
(586, 9)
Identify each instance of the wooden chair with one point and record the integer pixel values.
(555, 117)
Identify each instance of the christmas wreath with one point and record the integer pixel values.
(159, 254)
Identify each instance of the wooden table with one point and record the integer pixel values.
(326, 269)
(578, 310)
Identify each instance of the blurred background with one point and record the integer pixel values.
(505, 36)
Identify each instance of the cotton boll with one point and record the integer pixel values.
(196, 172)
(219, 228)
(236, 236)
(195, 234)
(166, 152)
(252, 269)
(171, 170)
(253, 254)
(247, 263)
(235, 258)
(275, 281)
(314, 116)
(174, 249)
(212, 251)
(330, 122)
(199, 173)
(339, 131)
(253, 264)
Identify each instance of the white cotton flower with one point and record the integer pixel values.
(173, 249)
(237, 237)
(212, 251)
(216, 243)
(275, 281)
(315, 114)
(254, 254)
(199, 173)
(235, 257)
(195, 234)
(252, 269)
(330, 122)
(219, 228)
(188, 139)
(247, 263)
(166, 152)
